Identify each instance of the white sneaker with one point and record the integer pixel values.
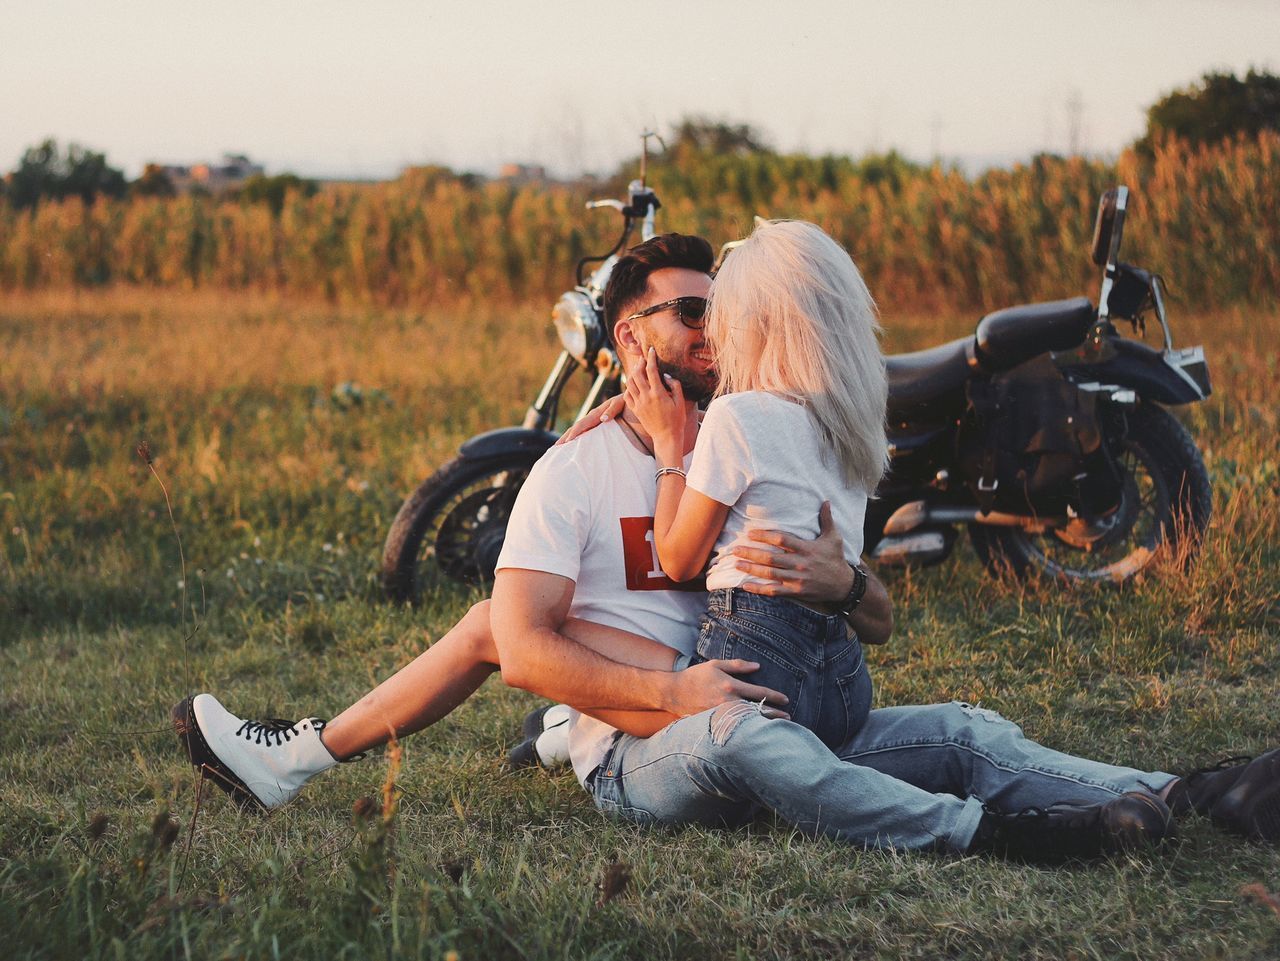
(259, 763)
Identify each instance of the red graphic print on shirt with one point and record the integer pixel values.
(640, 555)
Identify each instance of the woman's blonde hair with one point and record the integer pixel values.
(789, 313)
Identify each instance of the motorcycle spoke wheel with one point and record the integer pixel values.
(453, 526)
(1117, 553)
(1166, 502)
(468, 538)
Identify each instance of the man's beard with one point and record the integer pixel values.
(698, 384)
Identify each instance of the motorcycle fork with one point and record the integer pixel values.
(1114, 422)
(604, 385)
(542, 415)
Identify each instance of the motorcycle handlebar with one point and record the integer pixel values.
(622, 242)
(644, 203)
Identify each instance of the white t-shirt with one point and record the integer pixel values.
(763, 456)
(586, 513)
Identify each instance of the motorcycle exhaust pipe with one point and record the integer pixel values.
(927, 547)
(917, 514)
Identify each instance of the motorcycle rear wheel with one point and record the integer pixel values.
(1166, 505)
(453, 525)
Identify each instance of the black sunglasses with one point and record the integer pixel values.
(691, 310)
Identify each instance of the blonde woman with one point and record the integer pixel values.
(797, 420)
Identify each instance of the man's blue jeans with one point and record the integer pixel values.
(911, 778)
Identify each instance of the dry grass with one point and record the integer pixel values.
(283, 488)
(136, 341)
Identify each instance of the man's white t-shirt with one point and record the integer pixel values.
(759, 445)
(586, 513)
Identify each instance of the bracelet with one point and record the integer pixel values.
(669, 470)
(856, 593)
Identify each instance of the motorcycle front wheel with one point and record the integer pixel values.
(1166, 503)
(453, 525)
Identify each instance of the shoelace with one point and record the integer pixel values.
(282, 731)
(1059, 815)
(262, 732)
(1224, 764)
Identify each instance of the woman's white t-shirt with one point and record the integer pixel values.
(763, 456)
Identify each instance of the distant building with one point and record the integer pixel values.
(523, 173)
(218, 178)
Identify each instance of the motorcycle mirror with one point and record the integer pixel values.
(726, 249)
(1107, 225)
(729, 246)
(1102, 225)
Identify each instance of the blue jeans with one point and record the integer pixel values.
(911, 778)
(809, 657)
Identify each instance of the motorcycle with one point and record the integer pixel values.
(1044, 433)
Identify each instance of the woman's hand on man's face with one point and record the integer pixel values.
(658, 401)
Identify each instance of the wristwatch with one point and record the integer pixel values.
(856, 593)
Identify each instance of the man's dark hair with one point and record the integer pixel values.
(630, 277)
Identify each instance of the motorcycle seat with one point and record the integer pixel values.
(1007, 337)
(917, 378)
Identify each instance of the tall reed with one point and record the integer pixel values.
(1206, 217)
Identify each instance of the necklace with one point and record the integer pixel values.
(636, 434)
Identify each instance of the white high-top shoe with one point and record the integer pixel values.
(261, 764)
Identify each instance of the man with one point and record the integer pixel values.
(264, 764)
(701, 744)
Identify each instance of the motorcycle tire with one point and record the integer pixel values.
(452, 526)
(1166, 504)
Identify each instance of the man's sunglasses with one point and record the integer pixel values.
(691, 310)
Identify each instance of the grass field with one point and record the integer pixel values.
(287, 434)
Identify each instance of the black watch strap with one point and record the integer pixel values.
(856, 593)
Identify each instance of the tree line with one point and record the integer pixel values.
(47, 173)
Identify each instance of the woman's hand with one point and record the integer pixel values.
(598, 415)
(658, 401)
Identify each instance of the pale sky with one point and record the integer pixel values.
(329, 88)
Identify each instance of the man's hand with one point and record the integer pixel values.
(704, 686)
(815, 572)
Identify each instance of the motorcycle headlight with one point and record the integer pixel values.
(576, 323)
